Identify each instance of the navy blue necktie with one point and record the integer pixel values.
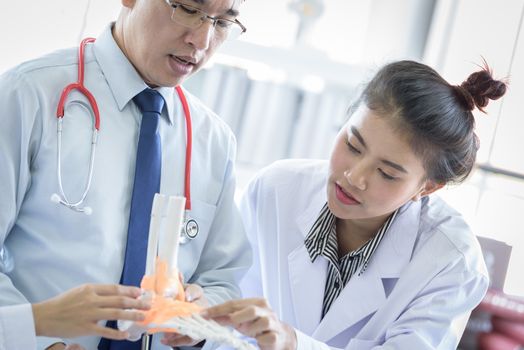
(147, 183)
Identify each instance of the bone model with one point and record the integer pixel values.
(170, 312)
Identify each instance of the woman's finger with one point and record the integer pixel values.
(193, 292)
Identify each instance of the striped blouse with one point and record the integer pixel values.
(322, 240)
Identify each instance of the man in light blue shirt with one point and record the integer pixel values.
(156, 44)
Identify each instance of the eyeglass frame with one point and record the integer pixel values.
(203, 16)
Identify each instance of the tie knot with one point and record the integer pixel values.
(149, 100)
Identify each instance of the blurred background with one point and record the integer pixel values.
(284, 86)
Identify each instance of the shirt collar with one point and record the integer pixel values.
(321, 239)
(122, 78)
(317, 239)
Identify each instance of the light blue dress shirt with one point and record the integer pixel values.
(17, 330)
(55, 248)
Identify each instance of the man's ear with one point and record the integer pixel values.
(428, 188)
(128, 3)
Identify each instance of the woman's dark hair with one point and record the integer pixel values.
(437, 116)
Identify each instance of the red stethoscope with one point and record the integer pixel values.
(190, 227)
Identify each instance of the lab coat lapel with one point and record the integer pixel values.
(361, 297)
(306, 278)
(365, 294)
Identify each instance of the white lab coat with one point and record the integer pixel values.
(416, 293)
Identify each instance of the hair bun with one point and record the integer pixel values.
(479, 88)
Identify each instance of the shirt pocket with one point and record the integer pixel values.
(203, 214)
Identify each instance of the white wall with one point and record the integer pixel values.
(30, 29)
(464, 32)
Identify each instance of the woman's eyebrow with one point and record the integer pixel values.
(394, 165)
(355, 132)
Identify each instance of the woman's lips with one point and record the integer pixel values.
(344, 197)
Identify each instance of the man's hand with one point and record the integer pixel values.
(77, 312)
(62, 346)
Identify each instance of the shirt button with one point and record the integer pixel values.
(337, 284)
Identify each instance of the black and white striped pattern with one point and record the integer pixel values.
(322, 240)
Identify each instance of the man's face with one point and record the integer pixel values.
(165, 52)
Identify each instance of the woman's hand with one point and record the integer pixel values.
(194, 294)
(254, 318)
(77, 312)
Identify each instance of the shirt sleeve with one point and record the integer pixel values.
(17, 330)
(18, 138)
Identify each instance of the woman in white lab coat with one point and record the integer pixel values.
(353, 253)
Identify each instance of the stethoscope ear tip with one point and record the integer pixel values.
(55, 198)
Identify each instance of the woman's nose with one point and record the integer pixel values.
(356, 178)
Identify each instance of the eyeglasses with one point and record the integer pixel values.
(192, 17)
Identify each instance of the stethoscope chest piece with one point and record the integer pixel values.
(190, 230)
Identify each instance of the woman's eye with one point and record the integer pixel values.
(385, 175)
(188, 10)
(352, 148)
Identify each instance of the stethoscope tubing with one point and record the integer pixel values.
(64, 199)
(79, 85)
(189, 146)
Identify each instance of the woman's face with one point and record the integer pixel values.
(373, 170)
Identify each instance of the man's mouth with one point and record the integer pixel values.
(184, 59)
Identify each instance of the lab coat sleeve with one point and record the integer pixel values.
(17, 330)
(251, 284)
(226, 255)
(20, 137)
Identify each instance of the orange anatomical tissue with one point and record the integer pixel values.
(165, 307)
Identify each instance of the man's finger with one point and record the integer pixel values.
(114, 289)
(110, 333)
(74, 347)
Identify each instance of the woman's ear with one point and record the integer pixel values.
(428, 188)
